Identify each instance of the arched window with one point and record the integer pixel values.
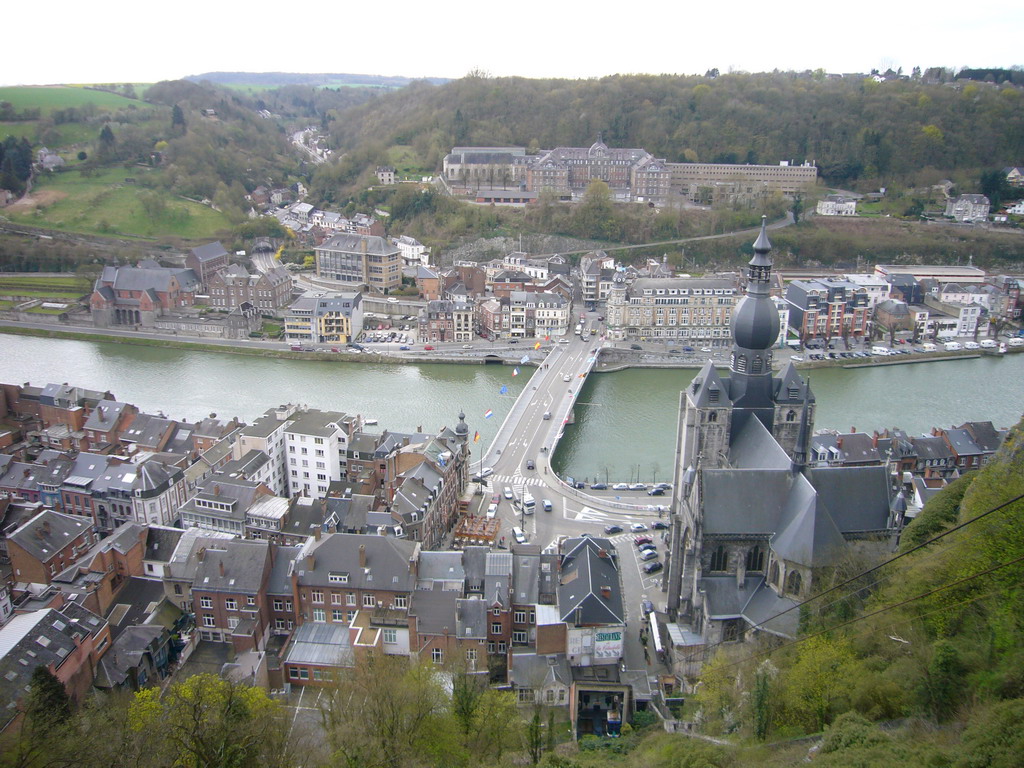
(791, 416)
(773, 574)
(757, 365)
(793, 582)
(713, 416)
(755, 559)
(719, 559)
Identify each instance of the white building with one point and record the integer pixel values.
(879, 290)
(414, 253)
(317, 443)
(837, 205)
(968, 209)
(266, 434)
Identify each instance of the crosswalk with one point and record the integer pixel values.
(515, 480)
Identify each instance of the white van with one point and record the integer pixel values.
(928, 347)
(519, 535)
(883, 351)
(971, 345)
(1016, 341)
(952, 346)
(988, 344)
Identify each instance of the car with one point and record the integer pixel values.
(492, 511)
(495, 498)
(673, 351)
(645, 548)
(599, 486)
(663, 486)
(404, 348)
(646, 607)
(637, 487)
(657, 525)
(637, 527)
(567, 377)
(547, 504)
(547, 415)
(613, 529)
(519, 535)
(796, 359)
(635, 346)
(392, 300)
(705, 349)
(639, 541)
(578, 485)
(600, 318)
(530, 464)
(653, 567)
(689, 349)
(486, 471)
(649, 554)
(467, 346)
(620, 487)
(428, 348)
(656, 492)
(971, 345)
(507, 493)
(513, 341)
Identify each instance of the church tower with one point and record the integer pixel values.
(755, 329)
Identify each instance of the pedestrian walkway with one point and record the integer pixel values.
(515, 480)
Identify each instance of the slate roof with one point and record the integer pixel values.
(754, 447)
(471, 618)
(440, 567)
(387, 561)
(127, 652)
(962, 443)
(434, 611)
(931, 448)
(161, 542)
(105, 415)
(280, 581)
(526, 579)
(807, 533)
(349, 243)
(857, 498)
(708, 388)
(763, 610)
(585, 574)
(135, 602)
(244, 562)
(320, 644)
(209, 251)
(49, 532)
(529, 669)
(985, 436)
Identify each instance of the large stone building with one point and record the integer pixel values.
(753, 520)
(268, 292)
(362, 261)
(139, 295)
(444, 320)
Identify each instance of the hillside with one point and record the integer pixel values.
(857, 131)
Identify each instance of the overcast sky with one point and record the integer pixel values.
(118, 41)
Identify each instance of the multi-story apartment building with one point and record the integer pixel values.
(837, 205)
(968, 209)
(878, 289)
(229, 593)
(266, 434)
(46, 545)
(222, 503)
(414, 253)
(682, 310)
(707, 183)
(444, 320)
(537, 315)
(316, 445)
(324, 318)
(362, 261)
(828, 308)
(269, 292)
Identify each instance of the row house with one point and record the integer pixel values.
(47, 544)
(535, 315)
(100, 573)
(493, 319)
(222, 504)
(878, 289)
(70, 406)
(268, 292)
(597, 270)
(968, 209)
(827, 309)
(429, 283)
(967, 316)
(229, 593)
(973, 443)
(177, 568)
(373, 458)
(446, 321)
(1009, 287)
(105, 424)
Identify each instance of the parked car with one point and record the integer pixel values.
(647, 547)
(620, 487)
(656, 492)
(637, 487)
(689, 349)
(507, 493)
(599, 486)
(486, 471)
(657, 525)
(653, 567)
(635, 346)
(641, 540)
(649, 554)
(637, 527)
(428, 347)
(613, 529)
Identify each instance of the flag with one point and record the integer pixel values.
(476, 437)
(503, 390)
(525, 360)
(547, 338)
(515, 371)
(488, 414)
(537, 345)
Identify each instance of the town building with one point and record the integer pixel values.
(837, 205)
(136, 296)
(414, 253)
(968, 209)
(710, 183)
(45, 545)
(537, 315)
(317, 317)
(878, 289)
(233, 287)
(229, 593)
(754, 520)
(316, 444)
(266, 435)
(444, 320)
(206, 261)
(828, 309)
(364, 262)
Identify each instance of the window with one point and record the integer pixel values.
(519, 617)
(335, 598)
(279, 624)
(232, 622)
(350, 598)
(279, 605)
(401, 601)
(520, 638)
(369, 601)
(437, 655)
(755, 559)
(490, 647)
(495, 628)
(208, 621)
(496, 612)
(250, 600)
(319, 615)
(318, 596)
(719, 559)
(390, 636)
(349, 615)
(525, 695)
(177, 589)
(293, 673)
(205, 602)
(337, 614)
(793, 581)
(471, 655)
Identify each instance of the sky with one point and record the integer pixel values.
(120, 41)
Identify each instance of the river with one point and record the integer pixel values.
(625, 421)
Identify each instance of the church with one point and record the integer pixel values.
(754, 521)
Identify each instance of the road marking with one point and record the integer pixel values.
(589, 515)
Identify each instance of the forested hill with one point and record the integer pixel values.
(855, 129)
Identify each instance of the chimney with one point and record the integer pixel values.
(602, 553)
(362, 555)
(852, 430)
(606, 592)
(316, 532)
(222, 568)
(839, 442)
(216, 490)
(202, 554)
(46, 527)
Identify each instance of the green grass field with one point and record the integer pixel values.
(406, 162)
(49, 98)
(105, 204)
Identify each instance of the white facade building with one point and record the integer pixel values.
(316, 443)
(837, 205)
(879, 290)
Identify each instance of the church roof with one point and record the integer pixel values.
(790, 386)
(856, 497)
(807, 533)
(708, 388)
(754, 447)
(747, 501)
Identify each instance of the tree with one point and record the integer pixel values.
(761, 700)
(817, 680)
(107, 149)
(178, 125)
(42, 734)
(797, 209)
(535, 737)
(995, 187)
